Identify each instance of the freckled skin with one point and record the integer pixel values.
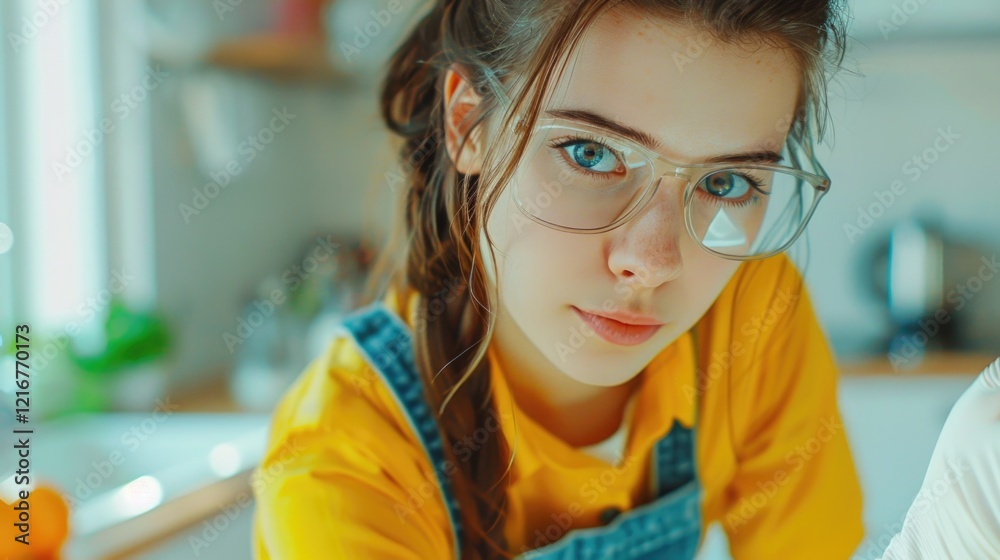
(726, 100)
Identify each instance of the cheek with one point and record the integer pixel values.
(539, 267)
(705, 276)
(530, 255)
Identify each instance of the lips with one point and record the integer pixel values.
(636, 331)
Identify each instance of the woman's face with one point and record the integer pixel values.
(699, 99)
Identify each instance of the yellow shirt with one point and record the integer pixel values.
(344, 477)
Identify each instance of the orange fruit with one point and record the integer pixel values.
(48, 526)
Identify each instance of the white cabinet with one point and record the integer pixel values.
(892, 423)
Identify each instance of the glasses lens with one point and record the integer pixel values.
(578, 179)
(745, 212)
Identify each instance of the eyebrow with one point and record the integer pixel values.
(647, 140)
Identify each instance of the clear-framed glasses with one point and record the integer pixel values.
(584, 179)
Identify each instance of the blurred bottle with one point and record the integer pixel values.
(915, 289)
(283, 337)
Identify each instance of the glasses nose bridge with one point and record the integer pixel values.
(666, 173)
(666, 169)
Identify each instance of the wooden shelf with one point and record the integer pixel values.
(213, 396)
(932, 364)
(280, 57)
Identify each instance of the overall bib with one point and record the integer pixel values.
(667, 528)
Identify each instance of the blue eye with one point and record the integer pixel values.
(728, 185)
(592, 156)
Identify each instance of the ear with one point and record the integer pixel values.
(460, 98)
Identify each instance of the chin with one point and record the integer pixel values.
(594, 366)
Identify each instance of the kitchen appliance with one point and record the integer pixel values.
(941, 293)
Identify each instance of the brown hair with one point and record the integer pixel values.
(516, 45)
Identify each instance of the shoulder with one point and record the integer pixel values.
(338, 378)
(341, 461)
(761, 285)
(762, 330)
(339, 400)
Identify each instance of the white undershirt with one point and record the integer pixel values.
(612, 449)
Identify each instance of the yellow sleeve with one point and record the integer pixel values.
(795, 493)
(343, 477)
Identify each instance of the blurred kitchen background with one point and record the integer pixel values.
(193, 190)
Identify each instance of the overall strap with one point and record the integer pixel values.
(385, 341)
(674, 454)
(673, 460)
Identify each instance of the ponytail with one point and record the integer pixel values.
(450, 337)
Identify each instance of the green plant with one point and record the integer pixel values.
(131, 338)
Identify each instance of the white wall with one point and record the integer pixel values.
(312, 178)
(881, 120)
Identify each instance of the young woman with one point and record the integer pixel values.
(592, 345)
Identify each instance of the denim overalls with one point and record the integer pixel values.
(667, 528)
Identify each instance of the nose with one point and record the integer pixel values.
(646, 250)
